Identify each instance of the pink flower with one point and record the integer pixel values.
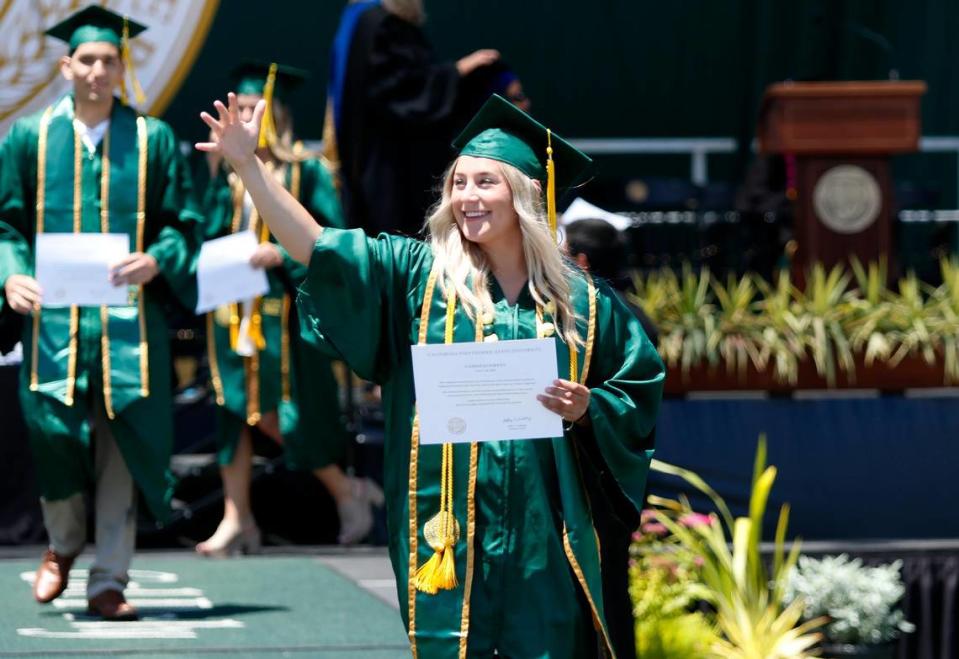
(695, 519)
(654, 528)
(647, 515)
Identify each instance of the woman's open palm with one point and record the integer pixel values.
(231, 137)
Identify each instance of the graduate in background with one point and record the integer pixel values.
(392, 112)
(264, 374)
(493, 544)
(96, 392)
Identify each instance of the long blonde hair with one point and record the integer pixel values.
(460, 261)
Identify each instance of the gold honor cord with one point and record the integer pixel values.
(214, 364)
(74, 310)
(442, 532)
(413, 473)
(41, 210)
(104, 309)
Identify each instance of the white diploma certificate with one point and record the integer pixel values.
(480, 392)
(224, 274)
(74, 268)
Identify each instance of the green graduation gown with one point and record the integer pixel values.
(527, 560)
(289, 376)
(121, 367)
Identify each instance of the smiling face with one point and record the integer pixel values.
(95, 69)
(482, 202)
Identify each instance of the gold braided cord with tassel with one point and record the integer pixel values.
(442, 532)
(268, 126)
(550, 184)
(127, 54)
(256, 317)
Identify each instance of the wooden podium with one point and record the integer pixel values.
(842, 135)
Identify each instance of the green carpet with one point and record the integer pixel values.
(249, 607)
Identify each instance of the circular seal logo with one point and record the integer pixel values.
(847, 199)
(30, 76)
(456, 425)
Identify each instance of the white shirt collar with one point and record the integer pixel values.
(91, 135)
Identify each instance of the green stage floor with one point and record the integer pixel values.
(339, 605)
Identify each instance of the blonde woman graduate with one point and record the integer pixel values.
(264, 374)
(493, 544)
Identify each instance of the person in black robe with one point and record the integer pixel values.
(392, 113)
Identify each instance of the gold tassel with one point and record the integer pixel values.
(442, 532)
(268, 126)
(127, 55)
(550, 184)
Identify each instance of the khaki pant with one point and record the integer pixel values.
(114, 515)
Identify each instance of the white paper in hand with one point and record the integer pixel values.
(224, 274)
(74, 268)
(479, 392)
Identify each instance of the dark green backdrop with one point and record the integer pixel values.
(621, 68)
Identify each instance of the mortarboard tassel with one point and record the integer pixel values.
(268, 126)
(550, 184)
(127, 55)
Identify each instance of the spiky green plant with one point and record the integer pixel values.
(750, 611)
(783, 327)
(825, 301)
(870, 323)
(738, 335)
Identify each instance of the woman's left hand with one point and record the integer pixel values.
(568, 399)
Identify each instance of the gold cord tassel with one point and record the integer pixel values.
(127, 55)
(442, 532)
(550, 184)
(268, 126)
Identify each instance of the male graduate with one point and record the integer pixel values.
(96, 380)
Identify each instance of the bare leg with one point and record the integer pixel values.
(335, 480)
(237, 530)
(355, 498)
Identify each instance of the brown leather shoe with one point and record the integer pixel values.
(51, 578)
(112, 605)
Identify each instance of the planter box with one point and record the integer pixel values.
(837, 651)
(911, 373)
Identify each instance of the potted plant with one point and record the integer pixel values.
(666, 590)
(861, 604)
(750, 614)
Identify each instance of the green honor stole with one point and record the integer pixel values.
(62, 207)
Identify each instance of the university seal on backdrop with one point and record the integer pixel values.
(847, 199)
(29, 60)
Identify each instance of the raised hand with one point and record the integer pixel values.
(230, 136)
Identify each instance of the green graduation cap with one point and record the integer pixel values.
(269, 81)
(501, 131)
(251, 77)
(95, 23)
